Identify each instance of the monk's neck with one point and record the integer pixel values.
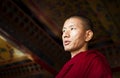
(73, 53)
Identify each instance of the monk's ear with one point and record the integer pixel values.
(89, 35)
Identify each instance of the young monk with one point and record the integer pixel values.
(84, 63)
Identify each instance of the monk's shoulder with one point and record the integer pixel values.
(94, 55)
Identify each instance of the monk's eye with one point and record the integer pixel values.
(63, 30)
(73, 28)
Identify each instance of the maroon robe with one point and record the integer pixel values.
(89, 64)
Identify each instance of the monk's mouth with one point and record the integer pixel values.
(66, 43)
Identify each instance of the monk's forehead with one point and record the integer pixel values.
(73, 20)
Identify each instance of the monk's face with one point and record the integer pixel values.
(74, 35)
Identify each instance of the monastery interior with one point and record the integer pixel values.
(30, 35)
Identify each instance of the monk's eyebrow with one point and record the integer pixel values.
(68, 26)
(71, 26)
(64, 27)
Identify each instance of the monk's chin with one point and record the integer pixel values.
(68, 49)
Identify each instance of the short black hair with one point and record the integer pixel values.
(86, 21)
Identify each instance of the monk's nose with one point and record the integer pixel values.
(66, 34)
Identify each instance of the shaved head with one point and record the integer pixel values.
(85, 21)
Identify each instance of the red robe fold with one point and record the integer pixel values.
(89, 64)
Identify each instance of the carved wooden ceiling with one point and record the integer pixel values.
(104, 14)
